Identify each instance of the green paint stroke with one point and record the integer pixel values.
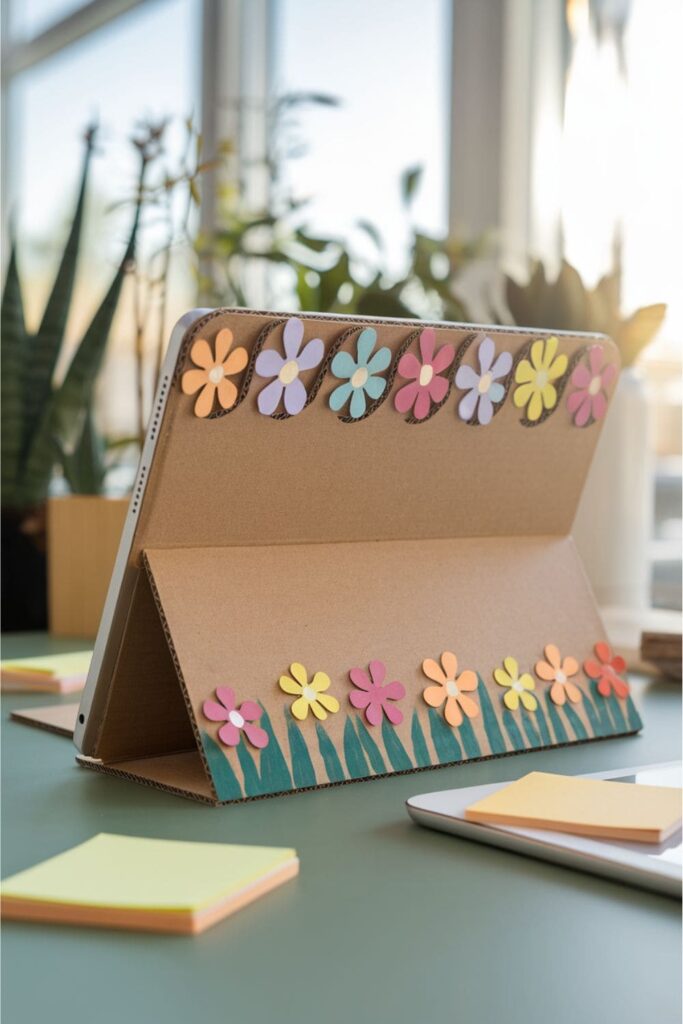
(303, 771)
(252, 782)
(602, 709)
(575, 722)
(356, 765)
(370, 747)
(617, 713)
(333, 766)
(224, 779)
(491, 726)
(596, 724)
(470, 743)
(396, 752)
(275, 777)
(544, 731)
(446, 745)
(556, 722)
(530, 729)
(634, 721)
(512, 731)
(422, 758)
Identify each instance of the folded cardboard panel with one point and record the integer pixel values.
(272, 547)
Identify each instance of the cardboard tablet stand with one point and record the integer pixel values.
(354, 569)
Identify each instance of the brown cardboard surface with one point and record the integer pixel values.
(307, 538)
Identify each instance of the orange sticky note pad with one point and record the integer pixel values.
(586, 807)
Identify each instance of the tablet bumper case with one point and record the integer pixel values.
(369, 573)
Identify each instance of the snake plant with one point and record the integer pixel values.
(43, 424)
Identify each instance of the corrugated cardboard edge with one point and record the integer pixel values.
(111, 769)
(44, 718)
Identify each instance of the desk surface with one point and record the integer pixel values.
(387, 922)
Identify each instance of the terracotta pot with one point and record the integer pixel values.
(83, 533)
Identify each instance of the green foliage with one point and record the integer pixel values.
(42, 424)
(566, 304)
(272, 244)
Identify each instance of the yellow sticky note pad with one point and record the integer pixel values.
(154, 884)
(51, 672)
(588, 807)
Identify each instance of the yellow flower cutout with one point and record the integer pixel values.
(535, 378)
(309, 695)
(214, 368)
(518, 686)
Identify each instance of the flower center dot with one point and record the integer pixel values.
(485, 382)
(594, 386)
(452, 688)
(360, 377)
(236, 719)
(541, 378)
(517, 686)
(560, 677)
(289, 372)
(426, 374)
(216, 375)
(309, 693)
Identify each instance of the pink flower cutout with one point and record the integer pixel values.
(237, 720)
(372, 695)
(426, 385)
(606, 671)
(588, 400)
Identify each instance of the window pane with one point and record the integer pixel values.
(141, 65)
(388, 62)
(28, 18)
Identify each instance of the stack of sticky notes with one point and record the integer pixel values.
(51, 673)
(584, 807)
(156, 885)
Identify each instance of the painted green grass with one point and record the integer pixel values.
(512, 730)
(303, 772)
(601, 710)
(491, 725)
(529, 726)
(356, 764)
(370, 747)
(543, 730)
(555, 720)
(224, 779)
(333, 766)
(634, 721)
(444, 740)
(396, 752)
(420, 750)
(275, 777)
(252, 779)
(470, 743)
(575, 722)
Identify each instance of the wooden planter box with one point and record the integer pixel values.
(83, 533)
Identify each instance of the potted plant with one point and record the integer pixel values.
(44, 424)
(613, 527)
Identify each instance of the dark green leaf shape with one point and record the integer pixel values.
(634, 721)
(420, 750)
(42, 360)
(617, 713)
(396, 752)
(468, 739)
(370, 747)
(596, 724)
(224, 779)
(356, 765)
(333, 766)
(85, 469)
(275, 777)
(12, 348)
(556, 721)
(513, 732)
(303, 771)
(530, 729)
(445, 743)
(252, 782)
(491, 726)
(544, 731)
(575, 722)
(602, 709)
(410, 180)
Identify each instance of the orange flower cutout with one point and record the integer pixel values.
(557, 671)
(214, 370)
(451, 689)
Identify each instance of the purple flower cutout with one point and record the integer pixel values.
(483, 388)
(286, 369)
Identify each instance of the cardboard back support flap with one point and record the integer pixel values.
(348, 535)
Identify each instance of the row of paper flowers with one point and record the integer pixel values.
(536, 378)
(452, 691)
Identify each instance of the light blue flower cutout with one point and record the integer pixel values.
(359, 374)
